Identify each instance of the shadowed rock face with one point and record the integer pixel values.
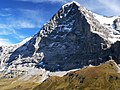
(67, 42)
(117, 23)
(115, 52)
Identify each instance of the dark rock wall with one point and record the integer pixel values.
(67, 43)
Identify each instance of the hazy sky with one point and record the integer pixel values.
(20, 19)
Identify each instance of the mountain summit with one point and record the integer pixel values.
(73, 38)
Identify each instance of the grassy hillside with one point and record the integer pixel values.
(14, 84)
(102, 77)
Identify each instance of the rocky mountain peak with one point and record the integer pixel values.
(72, 4)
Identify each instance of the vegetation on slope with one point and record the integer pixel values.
(102, 77)
(15, 84)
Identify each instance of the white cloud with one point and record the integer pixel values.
(3, 15)
(5, 12)
(30, 18)
(18, 24)
(26, 19)
(4, 42)
(24, 24)
(32, 14)
(6, 29)
(112, 5)
(39, 1)
(9, 30)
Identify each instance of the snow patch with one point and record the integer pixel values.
(24, 41)
(67, 4)
(105, 20)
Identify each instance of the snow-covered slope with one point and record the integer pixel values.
(109, 22)
(109, 33)
(6, 51)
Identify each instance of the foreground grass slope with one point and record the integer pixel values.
(102, 77)
(15, 84)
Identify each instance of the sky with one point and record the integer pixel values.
(20, 19)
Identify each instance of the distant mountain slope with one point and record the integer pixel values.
(102, 77)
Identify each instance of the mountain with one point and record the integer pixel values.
(73, 38)
(65, 53)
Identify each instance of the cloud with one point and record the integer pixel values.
(6, 29)
(5, 12)
(4, 15)
(13, 21)
(31, 18)
(112, 5)
(4, 41)
(22, 18)
(27, 18)
(9, 30)
(22, 23)
(40, 1)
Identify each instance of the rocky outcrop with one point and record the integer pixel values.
(117, 23)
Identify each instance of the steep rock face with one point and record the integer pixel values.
(73, 38)
(66, 42)
(115, 51)
(117, 23)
